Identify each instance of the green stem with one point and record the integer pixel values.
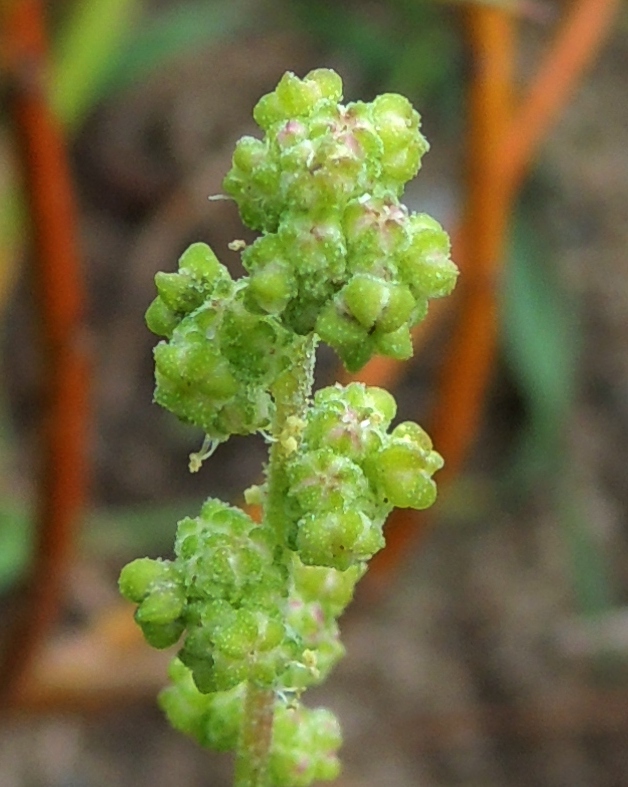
(291, 393)
(255, 738)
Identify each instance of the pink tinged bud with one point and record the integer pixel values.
(290, 133)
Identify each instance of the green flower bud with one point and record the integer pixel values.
(212, 719)
(141, 575)
(219, 517)
(182, 703)
(200, 262)
(337, 540)
(379, 403)
(402, 165)
(215, 674)
(425, 265)
(350, 420)
(161, 320)
(211, 615)
(252, 344)
(249, 154)
(377, 232)
(394, 117)
(398, 309)
(258, 195)
(271, 288)
(304, 746)
(238, 639)
(331, 588)
(419, 313)
(322, 480)
(162, 635)
(271, 633)
(345, 334)
(193, 364)
(365, 297)
(297, 97)
(177, 291)
(411, 432)
(163, 604)
(266, 250)
(397, 344)
(268, 111)
(223, 720)
(328, 81)
(399, 470)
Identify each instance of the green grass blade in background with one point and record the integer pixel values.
(409, 46)
(86, 43)
(540, 342)
(15, 542)
(179, 30)
(540, 336)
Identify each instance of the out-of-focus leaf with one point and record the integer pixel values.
(184, 28)
(97, 51)
(111, 533)
(410, 46)
(135, 530)
(15, 542)
(541, 341)
(104, 45)
(592, 585)
(84, 47)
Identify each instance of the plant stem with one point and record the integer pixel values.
(255, 737)
(291, 393)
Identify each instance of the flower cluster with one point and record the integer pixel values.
(350, 472)
(339, 254)
(216, 368)
(317, 153)
(305, 740)
(245, 619)
(226, 590)
(244, 615)
(255, 606)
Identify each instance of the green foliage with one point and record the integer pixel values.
(16, 538)
(100, 50)
(182, 29)
(541, 339)
(410, 46)
(255, 606)
(84, 49)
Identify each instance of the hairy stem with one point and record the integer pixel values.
(255, 738)
(291, 393)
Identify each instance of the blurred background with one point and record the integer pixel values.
(489, 646)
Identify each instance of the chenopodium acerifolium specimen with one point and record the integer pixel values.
(341, 259)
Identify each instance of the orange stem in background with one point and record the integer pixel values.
(60, 298)
(469, 355)
(506, 151)
(576, 44)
